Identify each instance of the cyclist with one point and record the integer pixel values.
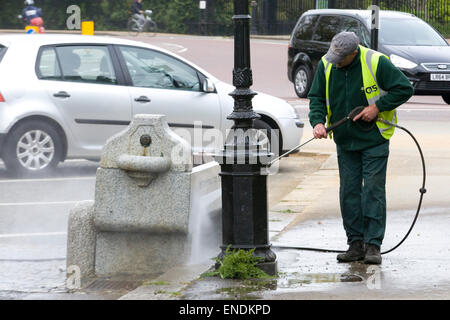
(33, 15)
(138, 13)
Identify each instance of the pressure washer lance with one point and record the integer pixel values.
(422, 190)
(350, 116)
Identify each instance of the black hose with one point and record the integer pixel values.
(422, 191)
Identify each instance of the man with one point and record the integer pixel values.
(350, 75)
(138, 13)
(33, 15)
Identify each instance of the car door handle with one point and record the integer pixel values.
(61, 94)
(142, 99)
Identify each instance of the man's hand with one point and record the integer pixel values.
(319, 131)
(368, 114)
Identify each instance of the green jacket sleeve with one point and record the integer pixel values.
(317, 98)
(392, 80)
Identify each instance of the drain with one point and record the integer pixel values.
(98, 285)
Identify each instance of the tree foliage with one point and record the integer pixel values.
(184, 16)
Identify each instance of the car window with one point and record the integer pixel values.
(48, 64)
(350, 25)
(327, 27)
(365, 35)
(86, 64)
(305, 27)
(152, 69)
(408, 32)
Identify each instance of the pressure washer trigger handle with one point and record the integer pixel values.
(355, 112)
(350, 116)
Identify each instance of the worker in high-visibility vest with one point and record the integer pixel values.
(350, 75)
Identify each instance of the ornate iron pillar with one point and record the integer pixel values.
(243, 161)
(375, 24)
(254, 5)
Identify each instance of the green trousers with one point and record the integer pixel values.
(362, 192)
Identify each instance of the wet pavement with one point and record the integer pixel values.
(31, 265)
(34, 268)
(418, 269)
(33, 234)
(43, 277)
(303, 199)
(33, 225)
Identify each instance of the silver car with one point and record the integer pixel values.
(63, 96)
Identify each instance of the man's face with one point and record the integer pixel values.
(347, 60)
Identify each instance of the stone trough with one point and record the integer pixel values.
(150, 206)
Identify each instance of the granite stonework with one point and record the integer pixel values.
(81, 239)
(146, 190)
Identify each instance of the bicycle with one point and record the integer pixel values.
(149, 25)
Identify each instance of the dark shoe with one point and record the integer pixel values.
(373, 255)
(355, 252)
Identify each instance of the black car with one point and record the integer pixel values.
(411, 44)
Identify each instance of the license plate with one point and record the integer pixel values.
(440, 77)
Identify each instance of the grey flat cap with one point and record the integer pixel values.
(341, 46)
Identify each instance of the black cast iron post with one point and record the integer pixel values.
(244, 180)
(254, 5)
(375, 24)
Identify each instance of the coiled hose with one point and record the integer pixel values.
(422, 191)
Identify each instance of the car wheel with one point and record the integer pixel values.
(267, 135)
(151, 28)
(302, 81)
(132, 27)
(446, 98)
(32, 148)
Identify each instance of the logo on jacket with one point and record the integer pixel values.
(371, 89)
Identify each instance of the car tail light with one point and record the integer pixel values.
(1, 98)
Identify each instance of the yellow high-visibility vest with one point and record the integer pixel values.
(369, 64)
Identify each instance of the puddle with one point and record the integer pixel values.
(313, 278)
(255, 288)
(247, 289)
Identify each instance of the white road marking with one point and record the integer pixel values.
(78, 160)
(275, 43)
(38, 234)
(181, 49)
(47, 179)
(6, 204)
